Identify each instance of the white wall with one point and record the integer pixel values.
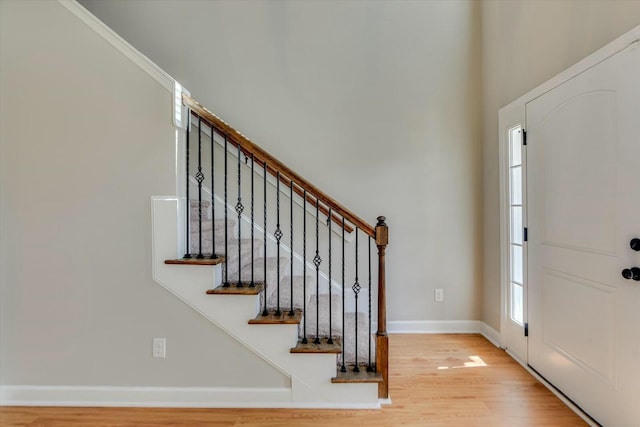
(524, 43)
(393, 87)
(377, 103)
(86, 139)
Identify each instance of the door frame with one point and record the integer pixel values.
(505, 114)
(508, 118)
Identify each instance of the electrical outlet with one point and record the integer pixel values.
(160, 347)
(439, 295)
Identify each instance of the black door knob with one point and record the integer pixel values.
(635, 244)
(632, 273)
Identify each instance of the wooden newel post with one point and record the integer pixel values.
(382, 340)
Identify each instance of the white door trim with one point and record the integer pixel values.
(508, 118)
(619, 44)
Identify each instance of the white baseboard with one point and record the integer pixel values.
(187, 397)
(444, 327)
(386, 401)
(490, 334)
(163, 397)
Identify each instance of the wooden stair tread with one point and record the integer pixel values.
(283, 319)
(196, 261)
(323, 347)
(234, 289)
(357, 377)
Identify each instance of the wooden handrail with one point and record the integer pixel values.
(286, 181)
(274, 165)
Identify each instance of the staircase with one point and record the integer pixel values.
(291, 280)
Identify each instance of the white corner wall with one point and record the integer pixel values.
(525, 43)
(377, 103)
(86, 139)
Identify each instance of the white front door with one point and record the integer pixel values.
(583, 210)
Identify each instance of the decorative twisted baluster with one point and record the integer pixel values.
(317, 261)
(239, 209)
(356, 290)
(200, 178)
(278, 236)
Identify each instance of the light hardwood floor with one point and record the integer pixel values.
(436, 380)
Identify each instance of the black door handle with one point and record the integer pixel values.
(632, 273)
(635, 244)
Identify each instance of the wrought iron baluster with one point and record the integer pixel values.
(278, 236)
(370, 367)
(343, 368)
(239, 209)
(226, 215)
(356, 290)
(317, 261)
(253, 283)
(304, 265)
(291, 312)
(265, 312)
(213, 199)
(200, 178)
(187, 254)
(330, 340)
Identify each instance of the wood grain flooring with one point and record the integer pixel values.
(435, 380)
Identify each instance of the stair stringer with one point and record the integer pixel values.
(310, 374)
